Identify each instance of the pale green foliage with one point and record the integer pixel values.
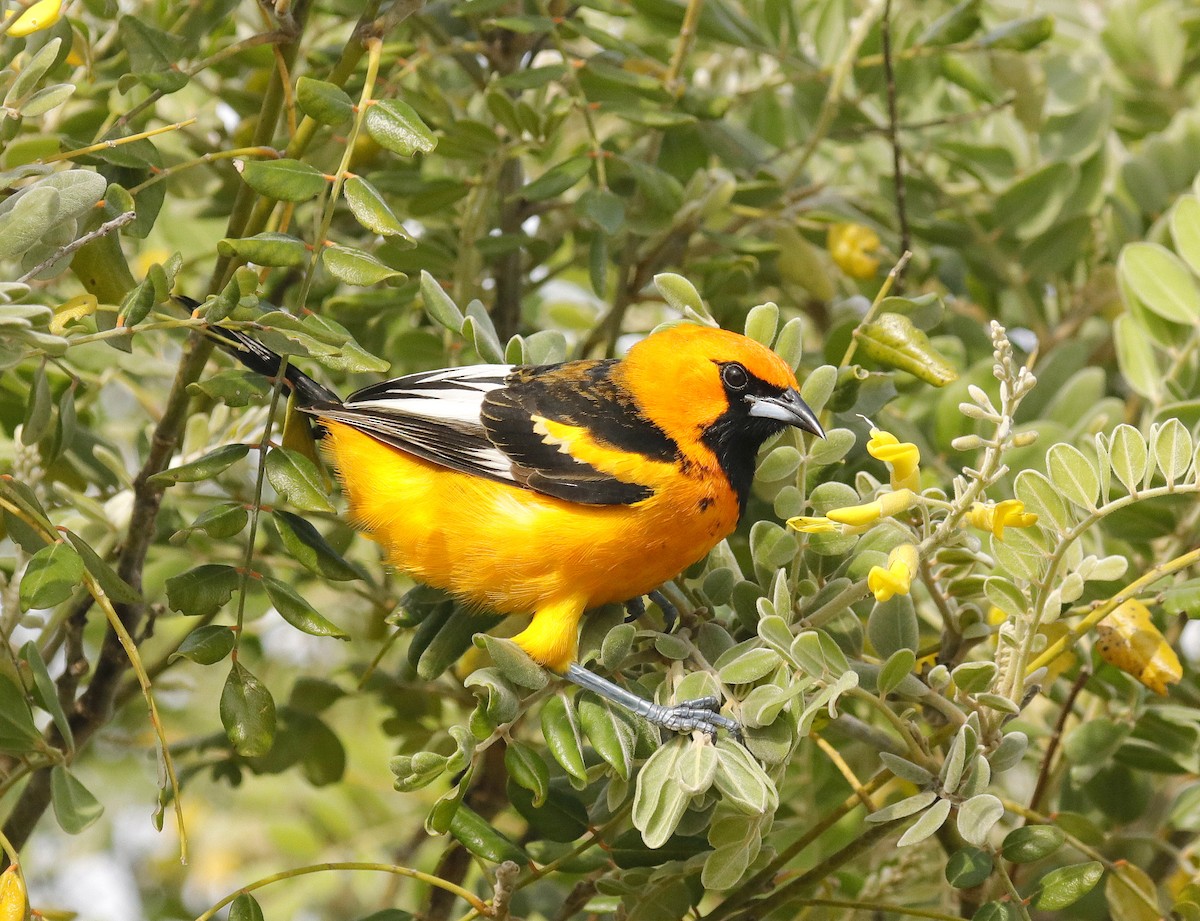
(529, 182)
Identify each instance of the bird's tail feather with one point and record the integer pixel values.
(257, 357)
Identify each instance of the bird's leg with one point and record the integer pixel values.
(670, 612)
(688, 716)
(635, 608)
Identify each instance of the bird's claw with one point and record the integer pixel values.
(635, 608)
(670, 612)
(702, 714)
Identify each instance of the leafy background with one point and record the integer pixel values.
(416, 185)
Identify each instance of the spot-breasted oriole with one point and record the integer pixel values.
(558, 488)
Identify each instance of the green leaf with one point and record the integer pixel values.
(789, 345)
(1067, 885)
(1073, 474)
(298, 480)
(968, 868)
(478, 836)
(369, 208)
(697, 768)
(659, 802)
(37, 408)
(899, 665)
(45, 99)
(1136, 357)
(1161, 281)
(45, 693)
(1133, 896)
(1019, 34)
(762, 322)
(247, 713)
(298, 612)
(682, 295)
(1032, 203)
(32, 71)
(75, 808)
(18, 734)
(51, 576)
(526, 767)
(233, 387)
(439, 305)
(395, 126)
(930, 821)
(203, 468)
(893, 341)
(202, 591)
(114, 586)
(957, 25)
(1032, 843)
(742, 781)
(1172, 447)
(478, 328)
(283, 180)
(1127, 453)
(513, 662)
(892, 625)
(604, 208)
(611, 731)
(324, 102)
(977, 816)
(748, 665)
(561, 733)
(358, 267)
(152, 54)
(245, 907)
(206, 645)
(308, 545)
(273, 249)
(557, 179)
(974, 677)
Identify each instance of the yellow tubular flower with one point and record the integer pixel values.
(14, 902)
(810, 525)
(851, 246)
(887, 505)
(995, 517)
(1128, 639)
(42, 15)
(897, 578)
(902, 457)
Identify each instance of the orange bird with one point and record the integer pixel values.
(555, 489)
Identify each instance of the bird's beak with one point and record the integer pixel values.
(787, 408)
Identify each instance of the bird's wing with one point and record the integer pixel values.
(494, 421)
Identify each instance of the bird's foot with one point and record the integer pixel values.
(702, 714)
(635, 608)
(670, 612)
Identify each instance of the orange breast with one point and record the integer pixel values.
(517, 551)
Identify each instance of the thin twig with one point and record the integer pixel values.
(893, 137)
(106, 228)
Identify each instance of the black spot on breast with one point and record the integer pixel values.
(705, 504)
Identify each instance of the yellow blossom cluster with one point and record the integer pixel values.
(996, 516)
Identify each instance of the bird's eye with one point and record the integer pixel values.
(735, 376)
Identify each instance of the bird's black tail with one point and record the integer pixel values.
(257, 357)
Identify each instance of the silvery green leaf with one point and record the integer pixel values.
(1073, 474)
(1172, 445)
(977, 816)
(1127, 454)
(929, 822)
(905, 769)
(909, 806)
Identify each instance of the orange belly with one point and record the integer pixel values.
(516, 551)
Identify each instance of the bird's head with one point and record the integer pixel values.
(719, 388)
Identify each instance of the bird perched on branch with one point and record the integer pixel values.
(555, 489)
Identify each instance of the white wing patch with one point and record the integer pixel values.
(433, 414)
